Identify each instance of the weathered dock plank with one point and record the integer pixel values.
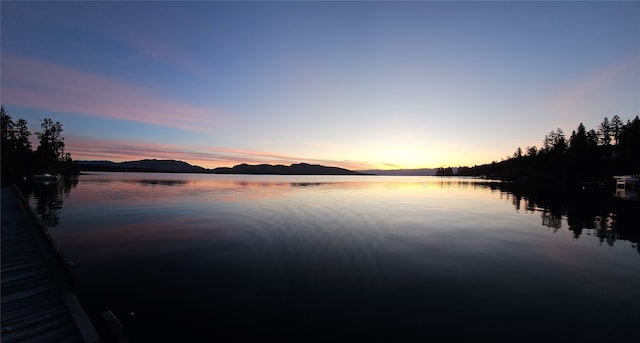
(37, 301)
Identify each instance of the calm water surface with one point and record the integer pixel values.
(186, 257)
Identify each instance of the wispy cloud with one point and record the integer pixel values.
(156, 47)
(583, 91)
(41, 85)
(85, 148)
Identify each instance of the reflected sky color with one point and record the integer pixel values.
(297, 257)
(152, 188)
(353, 84)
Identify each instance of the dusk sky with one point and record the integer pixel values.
(358, 85)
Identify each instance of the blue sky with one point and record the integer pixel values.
(353, 84)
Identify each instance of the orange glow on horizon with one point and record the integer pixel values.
(85, 148)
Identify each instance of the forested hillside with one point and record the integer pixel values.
(594, 155)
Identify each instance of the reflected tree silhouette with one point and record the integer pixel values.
(155, 182)
(551, 220)
(595, 210)
(47, 198)
(604, 216)
(307, 184)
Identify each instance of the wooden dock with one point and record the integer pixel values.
(39, 303)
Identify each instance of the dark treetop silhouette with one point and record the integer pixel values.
(593, 156)
(19, 161)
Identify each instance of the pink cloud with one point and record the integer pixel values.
(85, 148)
(585, 90)
(41, 85)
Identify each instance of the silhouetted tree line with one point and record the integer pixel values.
(18, 158)
(444, 171)
(586, 156)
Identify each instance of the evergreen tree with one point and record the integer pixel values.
(592, 138)
(630, 134)
(616, 128)
(559, 141)
(17, 156)
(604, 132)
(518, 153)
(578, 139)
(8, 130)
(7, 142)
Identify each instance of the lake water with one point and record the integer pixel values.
(189, 257)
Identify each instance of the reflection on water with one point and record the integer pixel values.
(161, 182)
(307, 184)
(595, 213)
(311, 258)
(47, 198)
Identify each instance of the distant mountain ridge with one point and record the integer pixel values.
(173, 166)
(279, 169)
(148, 165)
